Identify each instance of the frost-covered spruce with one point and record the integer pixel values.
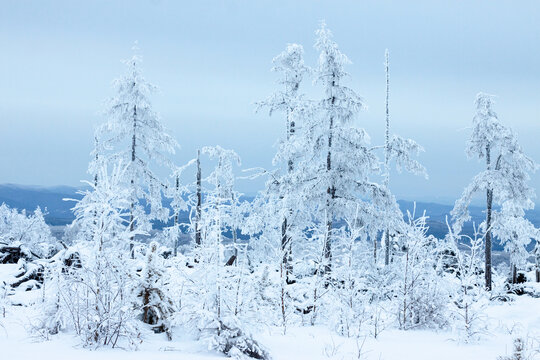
(134, 133)
(283, 184)
(505, 180)
(206, 310)
(339, 160)
(337, 148)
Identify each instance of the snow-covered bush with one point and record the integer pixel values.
(515, 233)
(421, 295)
(100, 298)
(469, 296)
(156, 302)
(96, 298)
(348, 300)
(232, 341)
(525, 348)
(27, 231)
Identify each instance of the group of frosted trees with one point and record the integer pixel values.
(324, 242)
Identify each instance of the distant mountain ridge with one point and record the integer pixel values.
(58, 211)
(51, 199)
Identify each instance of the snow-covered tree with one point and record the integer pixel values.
(179, 195)
(515, 233)
(104, 209)
(339, 162)
(504, 179)
(266, 249)
(339, 150)
(223, 196)
(290, 65)
(134, 133)
(213, 303)
(212, 250)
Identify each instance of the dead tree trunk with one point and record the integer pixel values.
(387, 157)
(134, 194)
(176, 215)
(514, 274)
(489, 204)
(330, 196)
(198, 209)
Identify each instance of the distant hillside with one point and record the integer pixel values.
(59, 211)
(437, 214)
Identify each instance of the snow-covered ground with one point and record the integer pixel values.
(507, 321)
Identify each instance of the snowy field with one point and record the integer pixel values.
(506, 322)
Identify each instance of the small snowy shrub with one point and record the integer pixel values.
(469, 296)
(29, 232)
(157, 305)
(421, 294)
(232, 341)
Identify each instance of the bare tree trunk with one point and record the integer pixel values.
(282, 299)
(198, 209)
(286, 238)
(96, 144)
(387, 154)
(405, 292)
(331, 195)
(133, 157)
(284, 247)
(387, 248)
(489, 204)
(176, 240)
(218, 257)
(537, 263)
(234, 235)
(375, 249)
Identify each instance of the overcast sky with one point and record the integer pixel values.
(211, 61)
